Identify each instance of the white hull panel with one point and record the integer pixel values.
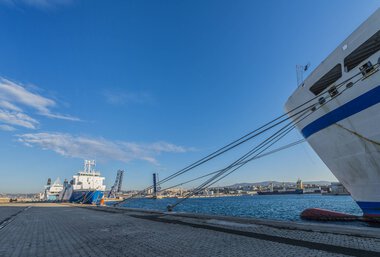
(350, 151)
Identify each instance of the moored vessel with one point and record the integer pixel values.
(52, 191)
(281, 192)
(342, 124)
(284, 191)
(86, 186)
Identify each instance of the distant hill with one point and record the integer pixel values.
(276, 183)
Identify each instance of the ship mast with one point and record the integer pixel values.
(89, 166)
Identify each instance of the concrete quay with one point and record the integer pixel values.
(78, 230)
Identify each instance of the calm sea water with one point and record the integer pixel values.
(277, 207)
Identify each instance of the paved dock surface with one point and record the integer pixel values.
(61, 230)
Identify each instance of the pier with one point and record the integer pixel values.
(49, 229)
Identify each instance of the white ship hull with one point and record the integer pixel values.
(351, 149)
(345, 132)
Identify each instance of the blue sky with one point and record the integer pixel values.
(150, 86)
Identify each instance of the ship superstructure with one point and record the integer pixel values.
(88, 179)
(344, 122)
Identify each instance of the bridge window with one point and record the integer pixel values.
(368, 48)
(329, 78)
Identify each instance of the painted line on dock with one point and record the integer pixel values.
(283, 240)
(8, 220)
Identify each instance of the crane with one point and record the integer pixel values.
(116, 188)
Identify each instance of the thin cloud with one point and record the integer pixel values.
(12, 92)
(118, 97)
(14, 98)
(61, 116)
(18, 119)
(9, 106)
(6, 127)
(99, 148)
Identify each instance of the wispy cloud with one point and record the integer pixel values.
(119, 97)
(99, 148)
(6, 127)
(9, 106)
(15, 97)
(40, 4)
(18, 119)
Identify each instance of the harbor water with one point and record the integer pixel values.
(275, 207)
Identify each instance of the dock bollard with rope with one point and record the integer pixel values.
(169, 208)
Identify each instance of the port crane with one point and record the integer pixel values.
(116, 188)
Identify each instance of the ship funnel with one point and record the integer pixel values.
(48, 182)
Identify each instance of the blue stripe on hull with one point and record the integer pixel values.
(370, 209)
(86, 197)
(356, 105)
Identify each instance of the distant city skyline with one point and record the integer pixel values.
(152, 86)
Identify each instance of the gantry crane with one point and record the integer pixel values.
(116, 188)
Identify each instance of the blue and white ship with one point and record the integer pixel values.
(342, 124)
(86, 186)
(52, 191)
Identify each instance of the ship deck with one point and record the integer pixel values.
(75, 230)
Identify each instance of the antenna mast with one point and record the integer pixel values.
(300, 70)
